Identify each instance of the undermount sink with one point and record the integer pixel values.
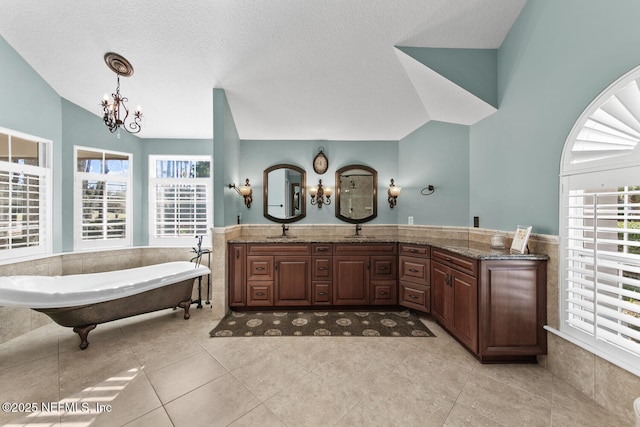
(358, 237)
(282, 237)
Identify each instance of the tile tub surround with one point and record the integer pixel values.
(15, 321)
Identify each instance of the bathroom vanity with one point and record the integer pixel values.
(491, 301)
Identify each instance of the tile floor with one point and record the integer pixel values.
(160, 370)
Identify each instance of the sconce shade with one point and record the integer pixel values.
(328, 191)
(313, 191)
(395, 191)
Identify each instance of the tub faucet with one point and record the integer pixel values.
(358, 228)
(284, 230)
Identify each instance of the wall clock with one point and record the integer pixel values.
(320, 162)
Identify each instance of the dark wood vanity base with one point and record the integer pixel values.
(492, 302)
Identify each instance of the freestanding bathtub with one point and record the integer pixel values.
(82, 301)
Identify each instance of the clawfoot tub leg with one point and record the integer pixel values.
(185, 304)
(83, 331)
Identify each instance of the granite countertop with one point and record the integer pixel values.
(468, 249)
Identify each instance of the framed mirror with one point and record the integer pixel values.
(284, 193)
(356, 193)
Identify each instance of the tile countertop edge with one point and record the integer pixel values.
(475, 251)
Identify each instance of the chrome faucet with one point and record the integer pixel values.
(358, 228)
(284, 230)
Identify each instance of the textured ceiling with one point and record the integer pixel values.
(294, 69)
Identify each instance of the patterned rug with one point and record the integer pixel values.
(322, 323)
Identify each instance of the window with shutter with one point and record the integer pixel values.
(600, 227)
(180, 199)
(102, 199)
(25, 201)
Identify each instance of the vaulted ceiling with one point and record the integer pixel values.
(291, 69)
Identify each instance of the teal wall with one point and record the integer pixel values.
(436, 154)
(259, 155)
(227, 205)
(556, 59)
(475, 70)
(29, 105)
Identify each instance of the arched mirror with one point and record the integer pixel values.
(356, 193)
(284, 193)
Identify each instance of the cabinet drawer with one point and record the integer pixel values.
(383, 293)
(259, 268)
(383, 267)
(260, 293)
(321, 293)
(321, 249)
(415, 296)
(459, 262)
(421, 251)
(321, 268)
(364, 248)
(415, 270)
(279, 249)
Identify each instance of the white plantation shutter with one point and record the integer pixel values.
(104, 209)
(602, 274)
(180, 199)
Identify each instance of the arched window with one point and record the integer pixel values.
(600, 226)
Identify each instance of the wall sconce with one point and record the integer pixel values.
(245, 191)
(393, 193)
(428, 190)
(320, 195)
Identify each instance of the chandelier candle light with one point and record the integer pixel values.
(116, 112)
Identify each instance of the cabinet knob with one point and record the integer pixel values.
(322, 249)
(384, 293)
(322, 293)
(412, 296)
(323, 268)
(413, 270)
(413, 250)
(384, 268)
(260, 294)
(259, 268)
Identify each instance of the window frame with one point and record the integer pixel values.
(79, 243)
(188, 240)
(45, 150)
(612, 172)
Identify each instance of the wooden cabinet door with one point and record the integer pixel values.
(237, 277)
(454, 303)
(512, 308)
(440, 292)
(293, 280)
(463, 322)
(351, 280)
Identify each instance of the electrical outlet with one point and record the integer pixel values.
(410, 220)
(476, 221)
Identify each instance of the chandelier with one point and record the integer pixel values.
(117, 112)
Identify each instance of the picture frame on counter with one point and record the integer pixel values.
(520, 240)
